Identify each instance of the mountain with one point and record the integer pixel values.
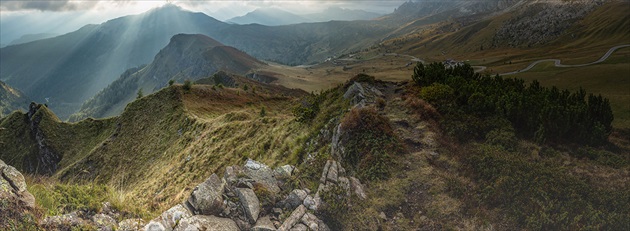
(32, 37)
(275, 17)
(71, 68)
(11, 100)
(186, 57)
(270, 17)
(341, 14)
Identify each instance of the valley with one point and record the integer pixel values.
(441, 115)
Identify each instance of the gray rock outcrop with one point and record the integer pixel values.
(206, 198)
(250, 204)
(201, 222)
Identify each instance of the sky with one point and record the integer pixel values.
(62, 16)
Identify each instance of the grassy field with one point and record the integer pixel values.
(610, 79)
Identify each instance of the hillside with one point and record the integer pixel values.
(269, 17)
(11, 100)
(416, 173)
(186, 57)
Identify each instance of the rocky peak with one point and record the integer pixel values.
(46, 160)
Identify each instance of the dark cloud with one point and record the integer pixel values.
(51, 5)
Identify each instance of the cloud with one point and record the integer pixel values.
(54, 5)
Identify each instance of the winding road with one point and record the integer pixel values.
(558, 63)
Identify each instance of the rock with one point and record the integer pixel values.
(104, 222)
(130, 225)
(310, 221)
(263, 224)
(254, 165)
(312, 203)
(293, 219)
(325, 172)
(250, 203)
(63, 222)
(357, 188)
(295, 198)
(277, 211)
(342, 171)
(230, 176)
(242, 224)
(284, 171)
(261, 174)
(355, 93)
(332, 172)
(155, 226)
(170, 217)
(206, 198)
(244, 183)
(201, 222)
(299, 227)
(382, 216)
(13, 185)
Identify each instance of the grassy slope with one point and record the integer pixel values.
(172, 140)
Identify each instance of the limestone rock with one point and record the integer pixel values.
(261, 174)
(250, 203)
(312, 202)
(170, 218)
(332, 172)
(130, 225)
(263, 224)
(357, 188)
(325, 172)
(155, 226)
(206, 198)
(230, 175)
(293, 219)
(63, 222)
(295, 198)
(13, 185)
(314, 223)
(299, 227)
(284, 171)
(104, 222)
(201, 222)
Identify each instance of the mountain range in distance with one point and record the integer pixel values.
(86, 61)
(276, 17)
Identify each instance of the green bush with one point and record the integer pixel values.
(535, 112)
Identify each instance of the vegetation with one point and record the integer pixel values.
(187, 85)
(369, 144)
(475, 105)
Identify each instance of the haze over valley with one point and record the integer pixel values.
(315, 115)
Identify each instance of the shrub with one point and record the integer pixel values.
(187, 85)
(369, 142)
(139, 94)
(171, 82)
(307, 110)
(535, 112)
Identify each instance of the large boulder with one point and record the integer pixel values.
(13, 185)
(201, 222)
(250, 203)
(169, 219)
(261, 174)
(206, 198)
